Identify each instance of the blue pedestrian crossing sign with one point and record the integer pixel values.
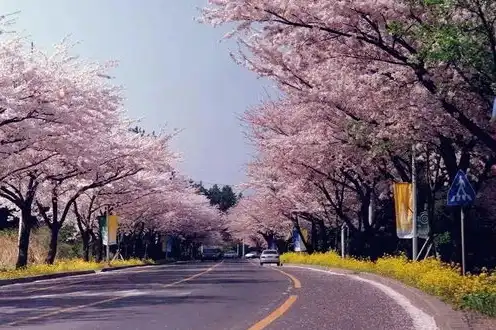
(461, 191)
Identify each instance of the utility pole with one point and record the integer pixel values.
(462, 227)
(414, 207)
(108, 238)
(371, 209)
(19, 233)
(243, 248)
(343, 252)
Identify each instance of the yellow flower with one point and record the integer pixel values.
(65, 265)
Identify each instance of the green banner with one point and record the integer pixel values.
(102, 221)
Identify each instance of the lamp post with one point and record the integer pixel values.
(344, 227)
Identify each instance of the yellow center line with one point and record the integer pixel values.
(281, 310)
(296, 282)
(191, 277)
(262, 324)
(70, 309)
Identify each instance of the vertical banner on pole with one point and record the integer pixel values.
(102, 222)
(296, 240)
(423, 227)
(108, 229)
(112, 229)
(304, 233)
(403, 203)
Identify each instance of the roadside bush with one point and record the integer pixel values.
(477, 292)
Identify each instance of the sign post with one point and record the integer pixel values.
(414, 207)
(460, 194)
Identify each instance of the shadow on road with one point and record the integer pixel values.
(134, 292)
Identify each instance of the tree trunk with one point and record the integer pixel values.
(267, 238)
(23, 247)
(323, 236)
(52, 247)
(85, 236)
(314, 236)
(99, 244)
(96, 246)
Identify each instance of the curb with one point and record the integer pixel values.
(30, 279)
(445, 316)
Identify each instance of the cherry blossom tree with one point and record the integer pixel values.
(122, 195)
(118, 155)
(47, 101)
(69, 155)
(352, 56)
(332, 61)
(441, 51)
(171, 208)
(256, 215)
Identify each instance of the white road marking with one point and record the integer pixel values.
(162, 270)
(421, 320)
(18, 311)
(109, 294)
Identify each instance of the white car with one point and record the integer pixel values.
(251, 255)
(269, 257)
(230, 255)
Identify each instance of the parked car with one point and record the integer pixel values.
(211, 254)
(251, 255)
(230, 255)
(270, 257)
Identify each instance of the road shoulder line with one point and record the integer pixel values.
(420, 319)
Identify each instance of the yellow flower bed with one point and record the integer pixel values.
(61, 266)
(430, 276)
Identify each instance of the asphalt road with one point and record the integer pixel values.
(228, 295)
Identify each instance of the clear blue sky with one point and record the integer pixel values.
(174, 70)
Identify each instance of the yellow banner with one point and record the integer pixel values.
(304, 233)
(403, 208)
(112, 229)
